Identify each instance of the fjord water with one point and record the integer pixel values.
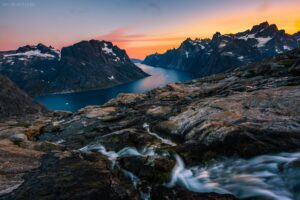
(74, 101)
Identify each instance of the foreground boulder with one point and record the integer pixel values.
(71, 175)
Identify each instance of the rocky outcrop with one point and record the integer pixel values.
(297, 36)
(73, 175)
(136, 140)
(83, 66)
(256, 105)
(223, 52)
(250, 111)
(15, 102)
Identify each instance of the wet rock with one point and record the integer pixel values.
(18, 138)
(61, 114)
(48, 147)
(15, 161)
(118, 140)
(56, 128)
(97, 112)
(291, 172)
(73, 175)
(126, 99)
(167, 127)
(152, 169)
(163, 193)
(34, 130)
(158, 111)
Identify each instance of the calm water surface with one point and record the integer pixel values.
(74, 101)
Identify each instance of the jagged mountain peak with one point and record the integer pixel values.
(101, 50)
(33, 51)
(297, 36)
(260, 27)
(225, 51)
(216, 35)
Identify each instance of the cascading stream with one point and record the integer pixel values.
(272, 177)
(266, 177)
(163, 140)
(125, 152)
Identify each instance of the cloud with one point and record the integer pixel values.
(264, 5)
(149, 6)
(121, 36)
(125, 36)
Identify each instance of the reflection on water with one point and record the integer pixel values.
(74, 101)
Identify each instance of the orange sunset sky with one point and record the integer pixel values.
(141, 27)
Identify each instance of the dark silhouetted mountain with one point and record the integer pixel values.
(297, 37)
(83, 66)
(222, 52)
(15, 102)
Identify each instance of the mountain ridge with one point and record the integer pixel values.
(16, 103)
(222, 52)
(85, 65)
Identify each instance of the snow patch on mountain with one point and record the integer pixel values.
(57, 52)
(187, 54)
(285, 47)
(33, 53)
(246, 37)
(227, 54)
(262, 41)
(197, 42)
(108, 50)
(222, 44)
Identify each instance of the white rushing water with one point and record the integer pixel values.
(272, 177)
(125, 152)
(163, 140)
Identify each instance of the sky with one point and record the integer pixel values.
(141, 27)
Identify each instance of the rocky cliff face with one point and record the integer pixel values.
(86, 65)
(222, 52)
(15, 102)
(136, 141)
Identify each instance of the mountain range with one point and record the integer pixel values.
(222, 52)
(85, 65)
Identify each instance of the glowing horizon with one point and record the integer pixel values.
(141, 27)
